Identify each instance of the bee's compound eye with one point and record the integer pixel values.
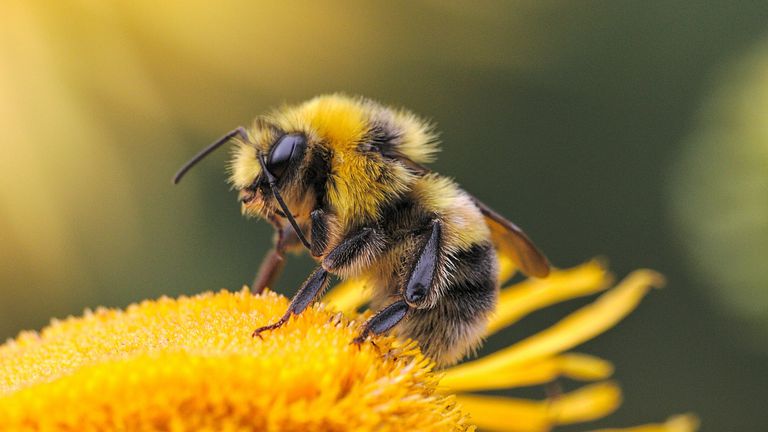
(288, 148)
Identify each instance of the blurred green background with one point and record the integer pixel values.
(632, 130)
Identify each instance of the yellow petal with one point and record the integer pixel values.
(678, 423)
(514, 302)
(506, 414)
(588, 403)
(576, 328)
(507, 268)
(530, 295)
(348, 296)
(574, 366)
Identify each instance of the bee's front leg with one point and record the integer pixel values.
(274, 261)
(319, 232)
(339, 257)
(420, 285)
(316, 282)
(271, 266)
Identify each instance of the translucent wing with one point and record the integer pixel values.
(512, 242)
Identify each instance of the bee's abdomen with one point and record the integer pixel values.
(450, 320)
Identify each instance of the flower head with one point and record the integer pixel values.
(191, 364)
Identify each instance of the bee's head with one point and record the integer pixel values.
(346, 155)
(269, 164)
(333, 151)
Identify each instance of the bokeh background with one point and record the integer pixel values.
(632, 130)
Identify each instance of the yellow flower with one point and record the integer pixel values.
(191, 364)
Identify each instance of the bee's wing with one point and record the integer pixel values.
(507, 237)
(511, 241)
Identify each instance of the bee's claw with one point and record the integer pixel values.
(359, 340)
(278, 324)
(362, 338)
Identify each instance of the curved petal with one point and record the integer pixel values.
(678, 423)
(348, 296)
(507, 268)
(519, 415)
(574, 329)
(530, 295)
(575, 366)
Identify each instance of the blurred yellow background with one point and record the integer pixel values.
(633, 130)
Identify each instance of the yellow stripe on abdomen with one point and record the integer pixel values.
(463, 224)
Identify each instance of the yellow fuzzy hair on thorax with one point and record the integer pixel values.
(340, 121)
(463, 223)
(360, 180)
(359, 184)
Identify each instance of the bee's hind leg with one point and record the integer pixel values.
(419, 286)
(384, 320)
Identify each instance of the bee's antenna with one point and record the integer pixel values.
(271, 180)
(206, 151)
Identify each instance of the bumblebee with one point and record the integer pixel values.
(345, 178)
